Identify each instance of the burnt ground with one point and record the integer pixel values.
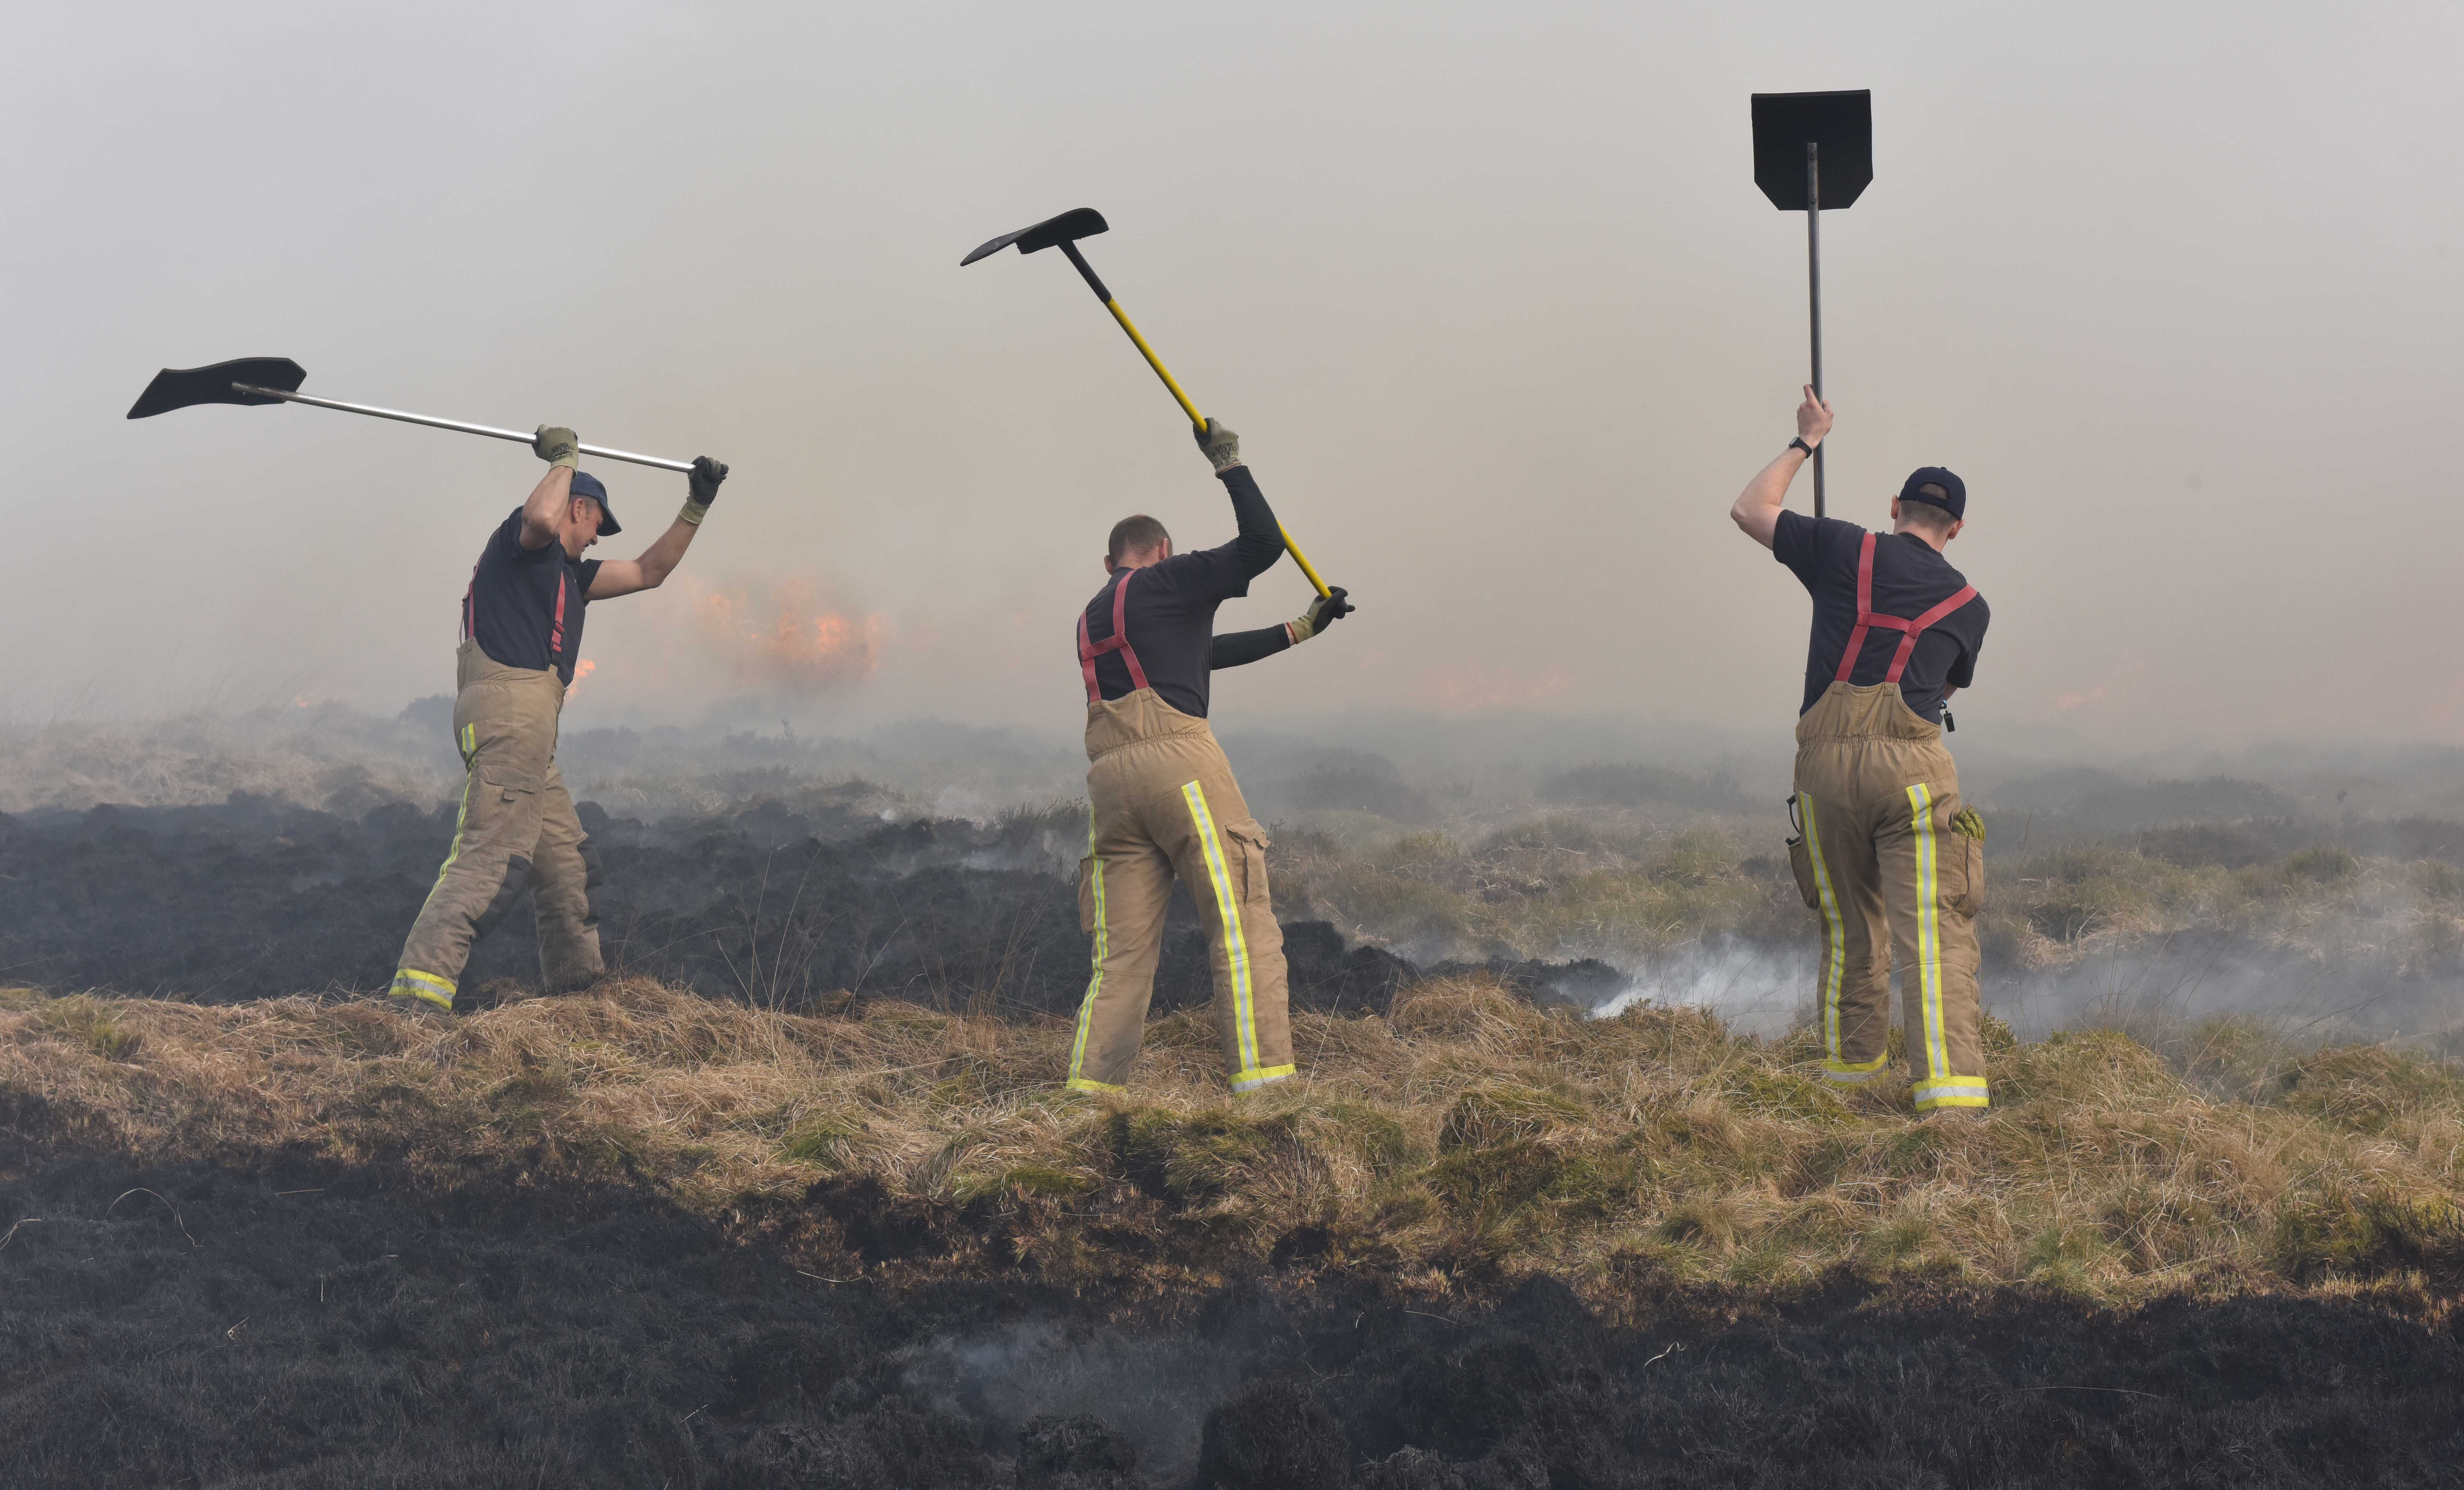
(258, 898)
(305, 1328)
(300, 1325)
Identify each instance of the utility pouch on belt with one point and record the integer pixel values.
(1800, 858)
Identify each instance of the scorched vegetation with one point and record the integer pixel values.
(1464, 1139)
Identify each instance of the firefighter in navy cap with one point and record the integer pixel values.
(1886, 854)
(521, 633)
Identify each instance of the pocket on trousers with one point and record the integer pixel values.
(509, 784)
(1087, 893)
(1247, 843)
(1970, 898)
(1800, 863)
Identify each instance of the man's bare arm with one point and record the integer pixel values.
(627, 576)
(543, 514)
(1757, 508)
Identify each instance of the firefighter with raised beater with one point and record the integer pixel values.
(1162, 801)
(521, 633)
(1886, 854)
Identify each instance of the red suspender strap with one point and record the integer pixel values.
(1117, 642)
(1916, 628)
(1865, 617)
(556, 638)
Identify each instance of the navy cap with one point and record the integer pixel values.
(1954, 491)
(584, 484)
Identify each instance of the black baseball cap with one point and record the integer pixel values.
(584, 484)
(1952, 497)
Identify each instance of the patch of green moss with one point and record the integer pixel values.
(1503, 1112)
(1783, 1093)
(825, 1140)
(2369, 1088)
(1203, 1155)
(90, 1023)
(1487, 1185)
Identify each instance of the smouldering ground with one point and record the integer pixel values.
(1468, 1139)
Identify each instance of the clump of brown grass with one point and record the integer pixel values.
(1468, 1135)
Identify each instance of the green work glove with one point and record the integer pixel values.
(1222, 446)
(703, 482)
(1969, 823)
(556, 446)
(1323, 612)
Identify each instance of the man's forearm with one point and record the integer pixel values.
(660, 559)
(1757, 507)
(1239, 648)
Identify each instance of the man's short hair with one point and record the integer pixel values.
(1923, 507)
(1137, 535)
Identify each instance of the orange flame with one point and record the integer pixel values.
(784, 635)
(580, 670)
(1467, 688)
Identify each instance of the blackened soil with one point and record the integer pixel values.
(197, 1326)
(259, 899)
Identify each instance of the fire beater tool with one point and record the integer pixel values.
(1814, 150)
(276, 380)
(1063, 232)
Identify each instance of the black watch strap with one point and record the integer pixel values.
(1798, 444)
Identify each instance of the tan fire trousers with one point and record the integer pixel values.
(1895, 881)
(1163, 804)
(517, 833)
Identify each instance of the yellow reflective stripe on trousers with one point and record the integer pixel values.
(1951, 1091)
(1251, 1081)
(1928, 968)
(470, 741)
(1095, 984)
(1227, 906)
(1835, 931)
(412, 983)
(461, 823)
(1846, 1071)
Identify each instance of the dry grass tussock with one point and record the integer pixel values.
(1468, 1137)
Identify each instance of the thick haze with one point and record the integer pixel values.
(1489, 295)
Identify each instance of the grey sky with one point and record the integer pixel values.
(1488, 291)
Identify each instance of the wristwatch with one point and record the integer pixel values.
(1798, 444)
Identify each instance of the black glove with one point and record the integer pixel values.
(704, 479)
(1323, 612)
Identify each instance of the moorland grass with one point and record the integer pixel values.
(1467, 1138)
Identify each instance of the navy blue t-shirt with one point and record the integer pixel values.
(524, 606)
(1171, 612)
(1910, 577)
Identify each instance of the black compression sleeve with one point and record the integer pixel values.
(1237, 648)
(1261, 541)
